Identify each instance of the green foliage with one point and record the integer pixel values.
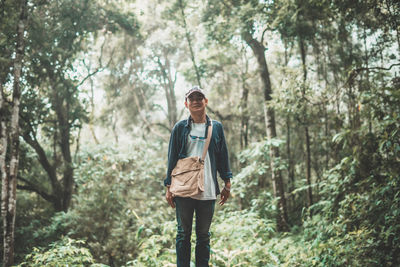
(357, 217)
(36, 225)
(157, 247)
(253, 179)
(67, 252)
(117, 201)
(239, 238)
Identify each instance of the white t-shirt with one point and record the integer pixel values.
(196, 141)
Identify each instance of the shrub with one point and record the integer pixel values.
(67, 252)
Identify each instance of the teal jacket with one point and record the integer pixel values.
(217, 150)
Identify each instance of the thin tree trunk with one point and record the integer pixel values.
(4, 173)
(244, 129)
(9, 185)
(114, 119)
(306, 130)
(169, 88)
(367, 73)
(317, 169)
(335, 79)
(171, 93)
(290, 158)
(288, 138)
(91, 117)
(277, 180)
(189, 40)
(327, 154)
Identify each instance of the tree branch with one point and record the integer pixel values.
(263, 33)
(100, 68)
(29, 186)
(354, 73)
(47, 166)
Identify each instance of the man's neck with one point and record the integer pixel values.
(198, 118)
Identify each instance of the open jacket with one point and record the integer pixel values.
(217, 150)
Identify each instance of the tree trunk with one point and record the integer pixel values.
(290, 158)
(4, 174)
(368, 84)
(244, 129)
(9, 177)
(327, 154)
(62, 114)
(91, 117)
(189, 40)
(60, 104)
(288, 139)
(277, 180)
(169, 87)
(114, 120)
(306, 130)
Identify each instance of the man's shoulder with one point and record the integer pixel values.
(217, 123)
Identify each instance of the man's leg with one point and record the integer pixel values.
(184, 218)
(204, 214)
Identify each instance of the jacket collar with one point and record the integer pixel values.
(189, 119)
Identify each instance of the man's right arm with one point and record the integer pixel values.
(173, 152)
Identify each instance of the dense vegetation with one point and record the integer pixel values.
(308, 93)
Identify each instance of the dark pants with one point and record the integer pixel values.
(185, 208)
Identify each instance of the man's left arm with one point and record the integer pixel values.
(223, 168)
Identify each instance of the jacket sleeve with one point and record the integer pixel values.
(222, 158)
(173, 152)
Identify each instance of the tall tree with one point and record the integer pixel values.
(9, 136)
(295, 21)
(52, 100)
(277, 179)
(243, 15)
(180, 5)
(168, 80)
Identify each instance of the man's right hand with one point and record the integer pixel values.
(170, 198)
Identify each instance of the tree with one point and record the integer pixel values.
(52, 102)
(167, 80)
(9, 138)
(179, 6)
(244, 17)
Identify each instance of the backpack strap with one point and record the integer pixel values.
(210, 127)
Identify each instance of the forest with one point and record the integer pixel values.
(308, 92)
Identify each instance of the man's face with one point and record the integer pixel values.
(196, 103)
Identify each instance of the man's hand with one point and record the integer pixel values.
(170, 198)
(225, 192)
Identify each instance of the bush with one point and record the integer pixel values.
(67, 252)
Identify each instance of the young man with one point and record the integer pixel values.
(187, 139)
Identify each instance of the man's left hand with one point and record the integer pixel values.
(225, 193)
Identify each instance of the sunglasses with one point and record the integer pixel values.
(197, 137)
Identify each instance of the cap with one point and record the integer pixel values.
(193, 90)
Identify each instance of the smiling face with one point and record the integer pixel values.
(196, 103)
